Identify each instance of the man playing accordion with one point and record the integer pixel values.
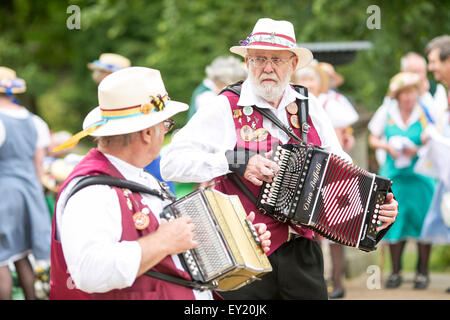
(232, 128)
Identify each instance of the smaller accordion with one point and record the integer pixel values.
(320, 190)
(228, 254)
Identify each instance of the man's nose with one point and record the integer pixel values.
(268, 67)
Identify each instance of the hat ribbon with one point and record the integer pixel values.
(269, 39)
(109, 66)
(156, 104)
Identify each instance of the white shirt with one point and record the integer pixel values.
(197, 151)
(90, 228)
(338, 108)
(206, 98)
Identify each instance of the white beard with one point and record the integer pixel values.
(269, 92)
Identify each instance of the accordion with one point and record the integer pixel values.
(228, 254)
(320, 190)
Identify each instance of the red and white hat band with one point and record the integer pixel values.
(269, 39)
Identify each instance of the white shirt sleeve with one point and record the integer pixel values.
(43, 132)
(204, 99)
(197, 151)
(378, 122)
(90, 234)
(325, 129)
(440, 98)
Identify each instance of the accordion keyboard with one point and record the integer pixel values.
(210, 256)
(280, 193)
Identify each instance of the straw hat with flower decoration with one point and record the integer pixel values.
(9, 83)
(401, 81)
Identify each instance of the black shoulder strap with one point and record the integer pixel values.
(117, 182)
(303, 111)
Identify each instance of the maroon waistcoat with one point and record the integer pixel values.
(144, 287)
(249, 129)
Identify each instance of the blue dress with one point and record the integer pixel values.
(24, 220)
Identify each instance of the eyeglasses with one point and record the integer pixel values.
(168, 124)
(260, 62)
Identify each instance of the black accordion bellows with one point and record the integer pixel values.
(320, 190)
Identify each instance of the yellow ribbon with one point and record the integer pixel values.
(73, 141)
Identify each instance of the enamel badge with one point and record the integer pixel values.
(246, 133)
(141, 220)
(292, 108)
(294, 121)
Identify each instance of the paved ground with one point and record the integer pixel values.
(357, 289)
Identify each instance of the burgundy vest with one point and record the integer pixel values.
(144, 287)
(249, 129)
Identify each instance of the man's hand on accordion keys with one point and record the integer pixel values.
(388, 213)
(260, 169)
(264, 234)
(179, 234)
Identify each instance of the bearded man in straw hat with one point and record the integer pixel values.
(232, 128)
(105, 238)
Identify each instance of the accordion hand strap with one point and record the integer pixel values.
(180, 281)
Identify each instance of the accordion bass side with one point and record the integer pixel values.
(228, 254)
(320, 190)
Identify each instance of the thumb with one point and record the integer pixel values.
(251, 216)
(389, 197)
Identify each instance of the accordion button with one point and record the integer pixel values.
(374, 221)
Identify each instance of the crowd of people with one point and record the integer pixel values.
(99, 241)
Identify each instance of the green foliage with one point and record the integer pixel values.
(181, 37)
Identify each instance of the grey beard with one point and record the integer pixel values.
(270, 93)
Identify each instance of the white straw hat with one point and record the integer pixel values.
(110, 62)
(9, 83)
(271, 34)
(130, 100)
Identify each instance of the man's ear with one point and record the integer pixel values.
(294, 63)
(147, 134)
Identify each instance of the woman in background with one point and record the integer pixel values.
(25, 225)
(401, 123)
